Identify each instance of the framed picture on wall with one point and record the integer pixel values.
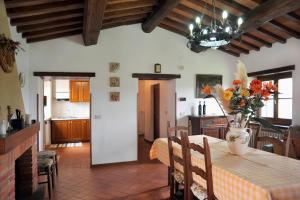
(206, 79)
(114, 96)
(114, 81)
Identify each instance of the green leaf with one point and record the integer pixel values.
(266, 124)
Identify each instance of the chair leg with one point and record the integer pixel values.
(172, 187)
(56, 165)
(169, 176)
(49, 181)
(53, 176)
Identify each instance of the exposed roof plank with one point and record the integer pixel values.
(46, 17)
(271, 35)
(124, 19)
(229, 51)
(54, 36)
(129, 5)
(293, 17)
(268, 44)
(267, 12)
(250, 45)
(53, 24)
(123, 13)
(93, 17)
(245, 51)
(286, 29)
(158, 15)
(43, 9)
(23, 3)
(115, 24)
(51, 31)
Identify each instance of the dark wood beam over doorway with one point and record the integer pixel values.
(92, 23)
(149, 76)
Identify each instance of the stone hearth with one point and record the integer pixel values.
(18, 164)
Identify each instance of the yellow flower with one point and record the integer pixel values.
(227, 95)
(245, 93)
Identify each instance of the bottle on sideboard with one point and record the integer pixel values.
(199, 108)
(204, 109)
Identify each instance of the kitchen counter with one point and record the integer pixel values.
(69, 118)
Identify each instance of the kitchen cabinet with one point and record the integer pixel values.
(79, 90)
(63, 131)
(213, 126)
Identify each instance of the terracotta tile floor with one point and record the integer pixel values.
(145, 180)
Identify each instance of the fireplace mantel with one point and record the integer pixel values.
(15, 138)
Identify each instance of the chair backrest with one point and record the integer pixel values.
(256, 130)
(176, 129)
(295, 139)
(280, 147)
(172, 138)
(206, 173)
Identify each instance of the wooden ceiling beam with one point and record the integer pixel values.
(24, 3)
(229, 51)
(47, 17)
(43, 9)
(285, 29)
(293, 17)
(267, 12)
(54, 36)
(53, 24)
(241, 49)
(267, 33)
(129, 5)
(129, 12)
(51, 31)
(124, 19)
(158, 15)
(93, 17)
(112, 25)
(250, 45)
(263, 42)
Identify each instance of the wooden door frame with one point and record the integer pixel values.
(88, 75)
(155, 136)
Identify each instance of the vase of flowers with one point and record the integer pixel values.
(242, 103)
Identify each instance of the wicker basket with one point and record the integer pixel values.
(7, 60)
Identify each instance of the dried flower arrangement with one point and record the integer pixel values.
(8, 50)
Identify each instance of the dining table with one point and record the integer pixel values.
(256, 175)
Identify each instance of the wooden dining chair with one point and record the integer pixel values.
(192, 189)
(279, 146)
(295, 140)
(256, 130)
(175, 177)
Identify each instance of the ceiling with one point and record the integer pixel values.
(266, 21)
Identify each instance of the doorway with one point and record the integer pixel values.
(156, 106)
(64, 106)
(156, 111)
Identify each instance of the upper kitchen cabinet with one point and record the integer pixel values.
(62, 90)
(79, 90)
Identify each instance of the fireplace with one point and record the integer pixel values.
(18, 164)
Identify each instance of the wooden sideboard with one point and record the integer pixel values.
(213, 126)
(63, 131)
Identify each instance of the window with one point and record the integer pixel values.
(278, 109)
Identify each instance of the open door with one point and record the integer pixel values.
(156, 113)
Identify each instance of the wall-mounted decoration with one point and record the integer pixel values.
(8, 50)
(114, 67)
(206, 79)
(157, 68)
(114, 96)
(114, 81)
(21, 79)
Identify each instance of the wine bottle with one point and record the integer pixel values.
(199, 108)
(204, 109)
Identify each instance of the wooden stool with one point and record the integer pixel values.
(52, 155)
(46, 168)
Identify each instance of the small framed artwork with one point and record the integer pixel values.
(157, 68)
(114, 67)
(203, 80)
(114, 96)
(114, 81)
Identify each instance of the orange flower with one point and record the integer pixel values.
(206, 90)
(245, 93)
(230, 89)
(237, 82)
(275, 88)
(269, 85)
(265, 93)
(255, 86)
(228, 95)
(242, 103)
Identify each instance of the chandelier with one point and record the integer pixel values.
(217, 33)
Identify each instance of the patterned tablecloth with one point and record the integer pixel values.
(257, 175)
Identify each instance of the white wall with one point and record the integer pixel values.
(279, 55)
(22, 62)
(114, 134)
